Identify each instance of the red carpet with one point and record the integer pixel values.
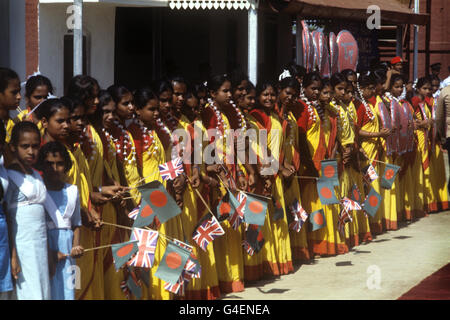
(434, 287)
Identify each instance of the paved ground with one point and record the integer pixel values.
(390, 265)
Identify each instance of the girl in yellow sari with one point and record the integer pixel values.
(267, 118)
(227, 248)
(388, 117)
(370, 135)
(347, 156)
(439, 200)
(423, 123)
(290, 158)
(318, 132)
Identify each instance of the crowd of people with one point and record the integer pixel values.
(69, 165)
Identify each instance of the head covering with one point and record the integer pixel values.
(396, 60)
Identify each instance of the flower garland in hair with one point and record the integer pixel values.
(149, 139)
(403, 95)
(414, 86)
(312, 115)
(128, 148)
(341, 118)
(391, 97)
(173, 123)
(364, 102)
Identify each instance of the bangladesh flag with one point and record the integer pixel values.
(330, 171)
(122, 252)
(172, 263)
(356, 194)
(225, 208)
(325, 189)
(156, 201)
(255, 210)
(388, 177)
(254, 237)
(317, 219)
(372, 203)
(279, 212)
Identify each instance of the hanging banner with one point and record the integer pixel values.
(348, 51)
(325, 69)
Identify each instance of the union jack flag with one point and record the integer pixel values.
(229, 178)
(134, 213)
(172, 169)
(300, 216)
(124, 288)
(207, 232)
(371, 174)
(176, 288)
(344, 217)
(238, 215)
(147, 240)
(248, 247)
(350, 204)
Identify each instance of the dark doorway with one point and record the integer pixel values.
(152, 43)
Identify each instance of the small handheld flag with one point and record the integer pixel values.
(344, 217)
(372, 203)
(133, 284)
(134, 213)
(279, 211)
(356, 195)
(371, 174)
(122, 252)
(317, 219)
(325, 189)
(207, 231)
(388, 177)
(172, 169)
(176, 288)
(254, 239)
(156, 201)
(238, 206)
(224, 208)
(172, 263)
(147, 240)
(350, 204)
(330, 171)
(299, 214)
(255, 210)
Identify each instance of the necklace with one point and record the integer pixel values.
(220, 122)
(391, 97)
(242, 121)
(149, 139)
(366, 105)
(312, 115)
(127, 146)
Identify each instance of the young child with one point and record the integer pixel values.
(62, 206)
(6, 285)
(25, 205)
(37, 89)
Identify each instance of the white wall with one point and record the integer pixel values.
(98, 26)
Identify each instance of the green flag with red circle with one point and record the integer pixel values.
(122, 252)
(156, 201)
(279, 211)
(356, 194)
(172, 263)
(388, 177)
(330, 171)
(254, 210)
(226, 206)
(325, 189)
(372, 203)
(317, 219)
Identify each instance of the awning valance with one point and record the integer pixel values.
(392, 12)
(212, 4)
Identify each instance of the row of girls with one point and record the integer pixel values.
(115, 139)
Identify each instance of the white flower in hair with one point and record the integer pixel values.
(284, 74)
(50, 96)
(36, 73)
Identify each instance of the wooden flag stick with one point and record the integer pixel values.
(200, 196)
(97, 248)
(306, 177)
(116, 225)
(133, 186)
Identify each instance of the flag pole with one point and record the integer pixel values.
(200, 196)
(306, 177)
(97, 248)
